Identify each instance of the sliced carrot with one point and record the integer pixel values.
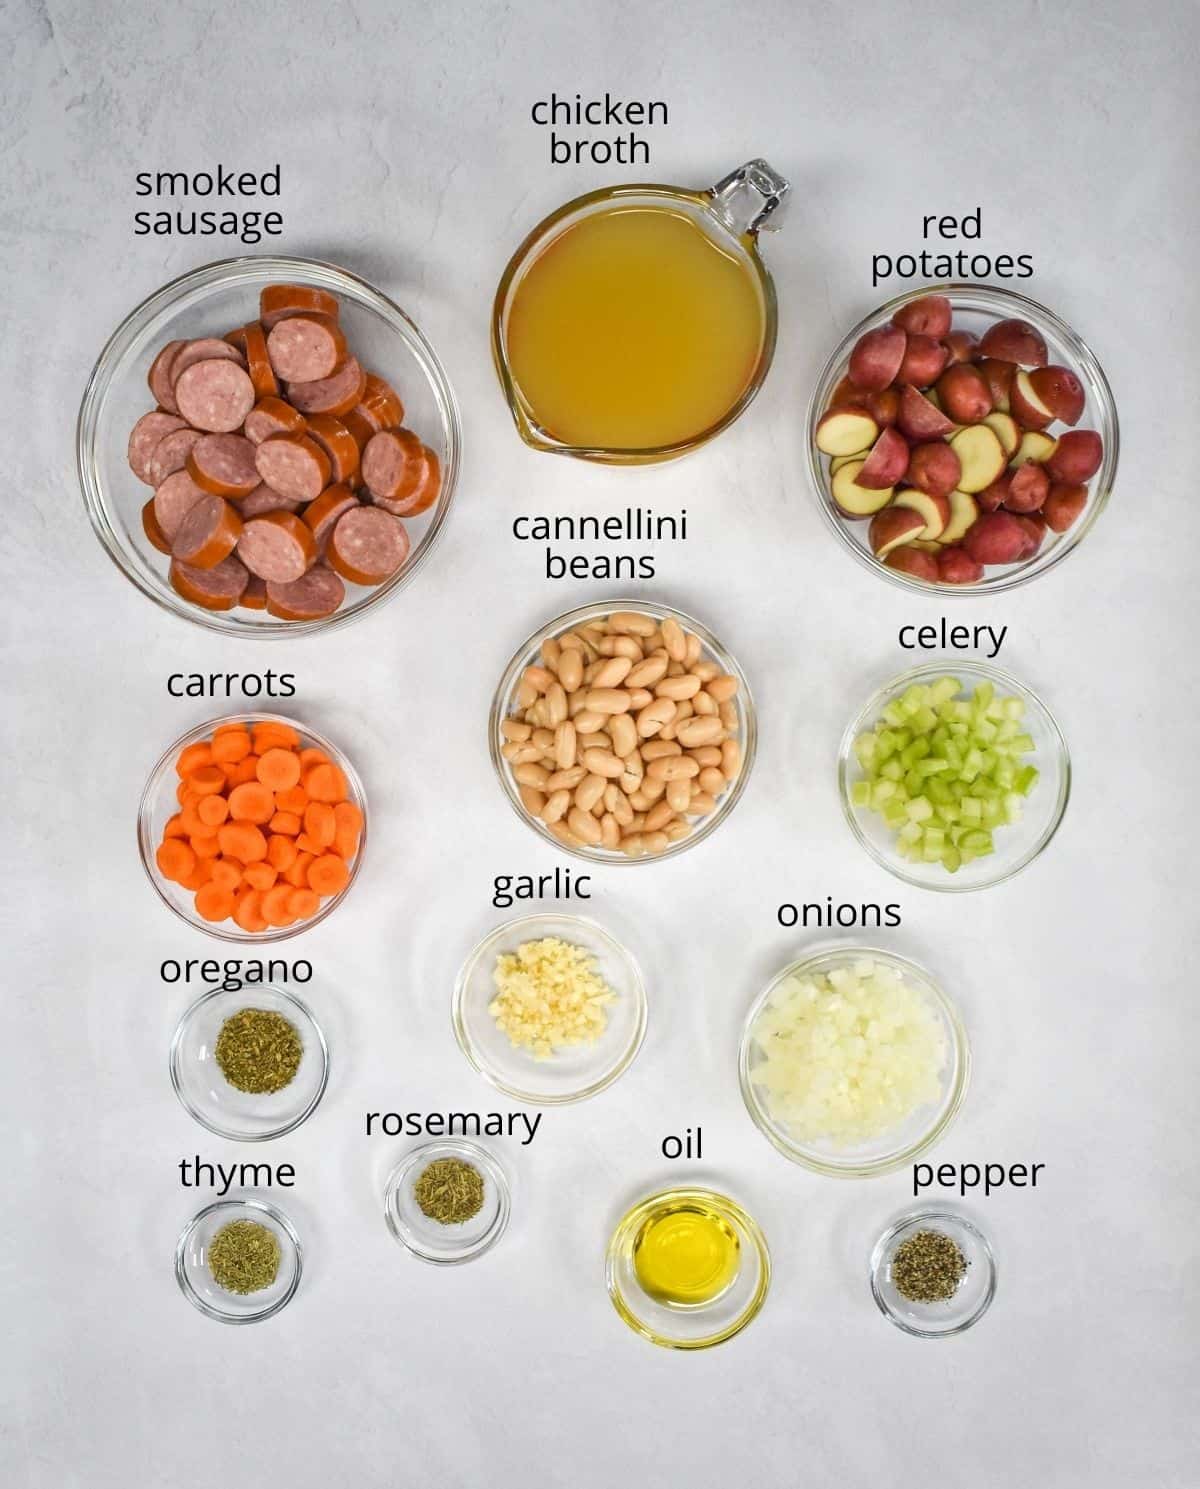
(325, 782)
(303, 903)
(274, 733)
(247, 910)
(251, 802)
(227, 872)
(212, 810)
(309, 845)
(190, 819)
(175, 827)
(206, 780)
(297, 875)
(281, 852)
(261, 875)
(294, 800)
(279, 769)
(312, 756)
(320, 824)
(242, 770)
(285, 822)
(214, 902)
(328, 874)
(175, 859)
(182, 792)
(199, 876)
(206, 846)
(275, 908)
(230, 745)
(349, 822)
(193, 756)
(243, 841)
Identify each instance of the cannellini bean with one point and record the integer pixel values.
(647, 673)
(566, 780)
(610, 831)
(659, 815)
(564, 834)
(604, 763)
(702, 803)
(674, 639)
(728, 714)
(700, 731)
(613, 673)
(623, 732)
(703, 704)
(672, 768)
(679, 795)
(531, 775)
(655, 842)
(685, 686)
(657, 748)
(515, 731)
(722, 688)
(693, 649)
(622, 810)
(556, 705)
(705, 756)
(551, 651)
(731, 759)
(678, 830)
(634, 845)
(705, 671)
(711, 781)
(632, 623)
(584, 826)
(589, 791)
(564, 745)
(608, 700)
(557, 805)
(538, 678)
(654, 716)
(532, 800)
(570, 665)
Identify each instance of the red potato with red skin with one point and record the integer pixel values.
(964, 394)
(1059, 390)
(845, 431)
(996, 538)
(961, 346)
(998, 375)
(923, 361)
(1077, 457)
(845, 395)
(1063, 506)
(876, 358)
(956, 566)
(995, 495)
(913, 561)
(1026, 406)
(919, 419)
(1033, 525)
(886, 464)
(884, 407)
(1028, 488)
(1015, 340)
(934, 510)
(933, 468)
(893, 527)
(931, 315)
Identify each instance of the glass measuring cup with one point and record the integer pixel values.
(730, 215)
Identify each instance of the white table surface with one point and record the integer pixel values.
(407, 155)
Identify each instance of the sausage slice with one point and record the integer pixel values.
(312, 597)
(306, 348)
(171, 453)
(173, 500)
(272, 416)
(368, 546)
(277, 546)
(265, 498)
(335, 395)
(214, 396)
(423, 495)
(294, 465)
(392, 464)
(322, 515)
(223, 464)
(154, 534)
(254, 596)
(208, 533)
(337, 442)
(146, 433)
(381, 403)
(218, 588)
(159, 377)
(278, 301)
(207, 349)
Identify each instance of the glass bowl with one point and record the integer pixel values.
(973, 1295)
(976, 307)
(573, 1073)
(159, 803)
(1016, 845)
(899, 1145)
(210, 301)
(430, 1240)
(690, 1325)
(202, 1088)
(529, 654)
(196, 1281)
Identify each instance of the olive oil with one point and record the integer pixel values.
(635, 329)
(686, 1254)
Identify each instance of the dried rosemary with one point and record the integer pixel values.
(258, 1051)
(449, 1191)
(928, 1267)
(244, 1257)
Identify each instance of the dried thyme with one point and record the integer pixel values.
(244, 1257)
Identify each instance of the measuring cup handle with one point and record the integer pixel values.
(748, 199)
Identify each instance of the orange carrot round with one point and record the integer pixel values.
(297, 875)
(227, 873)
(278, 769)
(325, 782)
(328, 874)
(230, 745)
(275, 908)
(261, 875)
(175, 827)
(175, 858)
(349, 823)
(251, 802)
(303, 903)
(320, 824)
(206, 780)
(243, 841)
(247, 911)
(293, 800)
(212, 810)
(286, 823)
(193, 756)
(213, 902)
(281, 852)
(206, 846)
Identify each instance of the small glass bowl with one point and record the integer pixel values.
(196, 1281)
(574, 1073)
(242, 1115)
(430, 1240)
(688, 1326)
(1016, 846)
(973, 1295)
(159, 803)
(976, 307)
(889, 1150)
(529, 654)
(210, 301)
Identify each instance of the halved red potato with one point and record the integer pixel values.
(961, 346)
(1015, 340)
(934, 467)
(998, 375)
(893, 527)
(1076, 457)
(876, 358)
(1059, 390)
(1035, 445)
(956, 566)
(997, 538)
(963, 394)
(1033, 524)
(856, 501)
(884, 467)
(1026, 406)
(935, 510)
(919, 419)
(923, 361)
(1006, 431)
(964, 510)
(981, 456)
(1028, 488)
(1063, 506)
(928, 316)
(846, 431)
(909, 559)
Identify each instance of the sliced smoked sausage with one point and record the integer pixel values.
(272, 416)
(294, 465)
(173, 500)
(159, 377)
(171, 453)
(254, 596)
(278, 547)
(154, 534)
(381, 403)
(367, 546)
(223, 464)
(265, 498)
(146, 433)
(218, 588)
(306, 348)
(322, 515)
(258, 362)
(423, 495)
(214, 396)
(276, 301)
(208, 533)
(207, 349)
(392, 464)
(335, 395)
(311, 597)
(337, 442)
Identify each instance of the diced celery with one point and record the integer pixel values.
(1022, 744)
(924, 719)
(860, 794)
(983, 696)
(1014, 708)
(895, 715)
(919, 809)
(951, 860)
(944, 689)
(911, 832)
(892, 770)
(1027, 779)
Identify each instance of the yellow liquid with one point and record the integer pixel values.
(634, 329)
(686, 1256)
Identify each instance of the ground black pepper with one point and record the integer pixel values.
(928, 1267)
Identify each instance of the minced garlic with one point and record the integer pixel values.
(549, 995)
